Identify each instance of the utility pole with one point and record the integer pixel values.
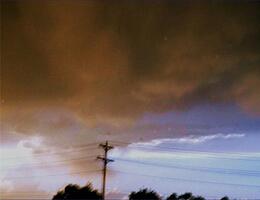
(105, 160)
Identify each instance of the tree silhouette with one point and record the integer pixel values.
(224, 198)
(198, 198)
(185, 196)
(73, 191)
(144, 194)
(173, 196)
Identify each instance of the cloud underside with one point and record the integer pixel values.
(112, 62)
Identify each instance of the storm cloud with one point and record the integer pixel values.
(111, 62)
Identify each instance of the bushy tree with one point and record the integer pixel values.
(185, 196)
(224, 198)
(73, 191)
(144, 194)
(198, 198)
(173, 196)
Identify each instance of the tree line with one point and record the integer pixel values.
(75, 192)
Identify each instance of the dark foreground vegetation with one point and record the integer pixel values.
(73, 192)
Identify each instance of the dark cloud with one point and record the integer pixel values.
(109, 63)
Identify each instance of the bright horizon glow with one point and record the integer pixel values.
(163, 161)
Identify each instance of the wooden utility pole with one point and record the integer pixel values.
(105, 160)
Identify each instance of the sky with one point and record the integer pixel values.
(172, 85)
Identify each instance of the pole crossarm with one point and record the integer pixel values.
(105, 159)
(106, 146)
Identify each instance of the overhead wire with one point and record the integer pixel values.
(44, 164)
(208, 154)
(201, 169)
(51, 153)
(188, 180)
(237, 172)
(47, 175)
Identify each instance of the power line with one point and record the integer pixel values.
(188, 180)
(201, 169)
(106, 147)
(52, 164)
(46, 175)
(208, 152)
(212, 155)
(140, 145)
(50, 153)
